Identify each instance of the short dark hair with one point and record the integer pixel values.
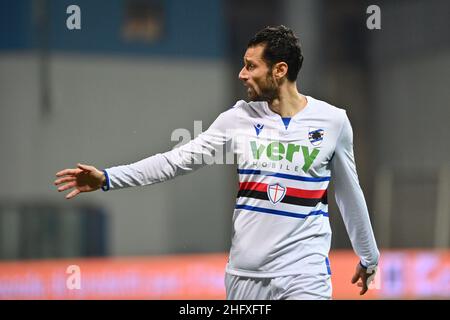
(281, 45)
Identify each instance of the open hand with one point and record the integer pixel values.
(84, 178)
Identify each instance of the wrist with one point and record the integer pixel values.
(105, 181)
(368, 268)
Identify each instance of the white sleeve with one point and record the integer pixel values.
(181, 160)
(350, 198)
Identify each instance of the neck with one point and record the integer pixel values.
(289, 101)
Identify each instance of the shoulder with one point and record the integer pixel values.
(229, 118)
(337, 116)
(328, 109)
(239, 106)
(243, 109)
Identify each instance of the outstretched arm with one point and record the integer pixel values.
(179, 161)
(154, 169)
(353, 208)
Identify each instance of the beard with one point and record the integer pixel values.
(268, 91)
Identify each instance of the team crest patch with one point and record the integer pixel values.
(315, 136)
(276, 192)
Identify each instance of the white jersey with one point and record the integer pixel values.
(280, 222)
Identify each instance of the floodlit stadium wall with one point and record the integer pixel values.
(405, 274)
(128, 97)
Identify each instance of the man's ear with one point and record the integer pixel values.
(280, 70)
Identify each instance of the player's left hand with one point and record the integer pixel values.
(365, 275)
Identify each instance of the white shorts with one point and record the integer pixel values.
(297, 287)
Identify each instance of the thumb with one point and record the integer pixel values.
(84, 167)
(355, 277)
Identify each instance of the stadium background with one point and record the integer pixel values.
(114, 91)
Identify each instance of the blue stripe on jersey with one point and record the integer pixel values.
(282, 175)
(282, 213)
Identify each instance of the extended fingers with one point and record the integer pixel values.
(363, 290)
(364, 285)
(68, 172)
(67, 186)
(65, 179)
(73, 194)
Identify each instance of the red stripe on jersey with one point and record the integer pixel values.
(293, 192)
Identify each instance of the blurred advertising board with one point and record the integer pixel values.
(405, 274)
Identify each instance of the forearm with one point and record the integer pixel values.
(162, 166)
(154, 169)
(352, 205)
(350, 198)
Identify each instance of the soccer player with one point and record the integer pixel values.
(289, 146)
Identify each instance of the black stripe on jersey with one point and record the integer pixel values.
(306, 202)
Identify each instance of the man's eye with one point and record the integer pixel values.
(250, 67)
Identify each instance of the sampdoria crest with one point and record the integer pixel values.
(315, 136)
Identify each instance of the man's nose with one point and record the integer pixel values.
(243, 74)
